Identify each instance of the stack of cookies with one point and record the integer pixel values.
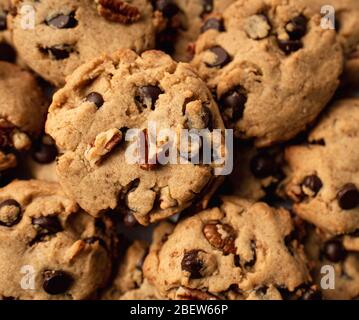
(269, 85)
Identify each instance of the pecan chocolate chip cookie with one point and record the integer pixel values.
(323, 176)
(269, 68)
(129, 283)
(68, 33)
(106, 98)
(49, 248)
(241, 250)
(184, 21)
(339, 253)
(22, 113)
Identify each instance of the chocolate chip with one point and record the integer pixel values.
(3, 23)
(63, 21)
(44, 153)
(297, 27)
(147, 96)
(334, 251)
(348, 197)
(47, 225)
(237, 260)
(213, 24)
(56, 282)
(234, 101)
(192, 264)
(167, 7)
(222, 57)
(60, 52)
(312, 294)
(253, 261)
(7, 53)
(207, 7)
(313, 183)
(10, 213)
(96, 98)
(263, 166)
(289, 46)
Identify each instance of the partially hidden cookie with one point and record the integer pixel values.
(89, 120)
(7, 52)
(49, 248)
(335, 263)
(323, 175)
(66, 34)
(268, 66)
(129, 283)
(184, 20)
(22, 113)
(240, 250)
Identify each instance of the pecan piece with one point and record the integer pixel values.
(148, 162)
(118, 11)
(221, 236)
(104, 143)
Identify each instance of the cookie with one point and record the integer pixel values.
(89, 120)
(268, 66)
(322, 176)
(240, 250)
(49, 248)
(22, 113)
(68, 33)
(129, 283)
(7, 52)
(339, 255)
(256, 172)
(184, 20)
(347, 26)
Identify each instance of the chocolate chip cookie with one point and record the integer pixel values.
(22, 113)
(7, 52)
(184, 21)
(68, 33)
(322, 176)
(129, 283)
(268, 66)
(240, 250)
(338, 254)
(93, 119)
(49, 248)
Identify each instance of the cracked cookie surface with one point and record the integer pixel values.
(50, 249)
(241, 250)
(269, 68)
(105, 98)
(68, 33)
(322, 177)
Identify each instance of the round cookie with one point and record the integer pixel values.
(323, 176)
(49, 248)
(241, 250)
(184, 19)
(338, 253)
(89, 119)
(7, 52)
(68, 33)
(22, 113)
(129, 283)
(269, 68)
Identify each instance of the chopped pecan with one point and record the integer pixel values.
(118, 11)
(221, 236)
(104, 143)
(148, 162)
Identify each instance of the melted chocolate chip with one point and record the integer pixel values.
(47, 225)
(348, 197)
(44, 153)
(56, 282)
(313, 183)
(263, 166)
(10, 213)
(147, 96)
(60, 52)
(7, 53)
(289, 46)
(297, 27)
(167, 7)
(96, 98)
(234, 101)
(63, 21)
(192, 264)
(213, 24)
(222, 57)
(334, 251)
